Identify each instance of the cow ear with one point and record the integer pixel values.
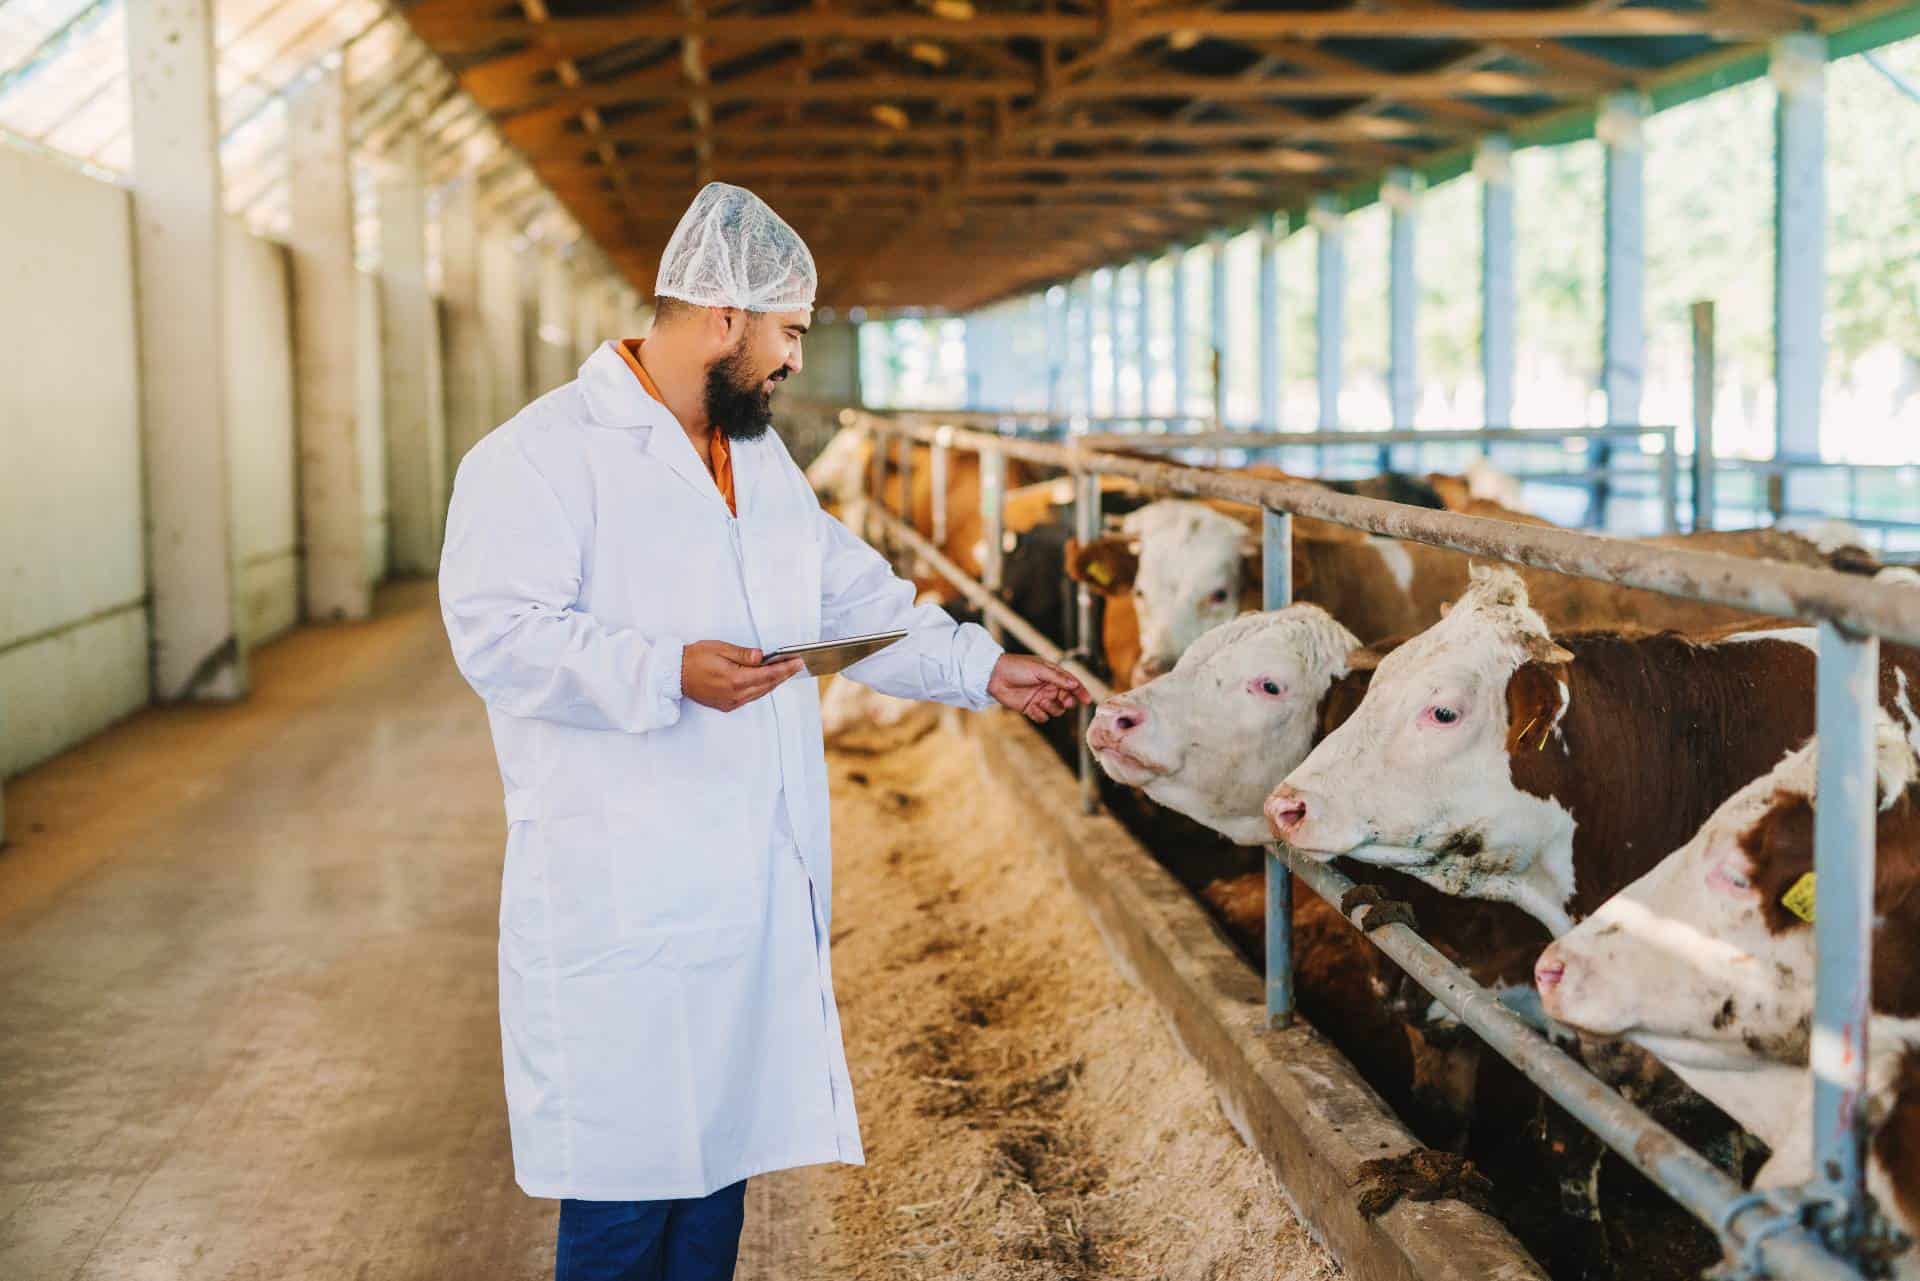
(1535, 694)
(1542, 649)
(1108, 565)
(1364, 659)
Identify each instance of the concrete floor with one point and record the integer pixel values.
(247, 995)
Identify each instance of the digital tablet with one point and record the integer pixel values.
(823, 658)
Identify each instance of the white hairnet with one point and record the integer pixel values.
(731, 250)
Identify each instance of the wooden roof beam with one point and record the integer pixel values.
(465, 34)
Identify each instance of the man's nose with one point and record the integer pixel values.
(1286, 810)
(1113, 722)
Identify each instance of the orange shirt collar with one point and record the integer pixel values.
(719, 456)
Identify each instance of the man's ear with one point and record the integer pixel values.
(1108, 565)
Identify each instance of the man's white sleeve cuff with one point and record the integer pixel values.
(668, 652)
(976, 668)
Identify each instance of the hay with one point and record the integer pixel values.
(1025, 1113)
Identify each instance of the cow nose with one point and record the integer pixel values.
(1549, 970)
(1286, 810)
(1113, 722)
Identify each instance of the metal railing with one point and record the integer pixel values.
(1806, 1234)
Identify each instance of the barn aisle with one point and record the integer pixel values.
(247, 964)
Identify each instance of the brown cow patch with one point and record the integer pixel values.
(1779, 850)
(1896, 1146)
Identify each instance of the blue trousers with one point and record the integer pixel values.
(693, 1240)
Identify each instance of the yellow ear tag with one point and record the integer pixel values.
(1799, 898)
(1099, 573)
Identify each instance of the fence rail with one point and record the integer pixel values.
(1805, 1234)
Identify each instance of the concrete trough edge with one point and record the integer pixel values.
(1291, 1095)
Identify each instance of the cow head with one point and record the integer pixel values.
(1419, 776)
(1708, 959)
(838, 472)
(1188, 578)
(1237, 711)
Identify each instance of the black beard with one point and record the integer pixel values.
(736, 407)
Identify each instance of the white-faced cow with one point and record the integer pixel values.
(1708, 961)
(1491, 760)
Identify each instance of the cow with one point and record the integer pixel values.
(1708, 961)
(1209, 739)
(1492, 760)
(1178, 568)
(1238, 712)
(842, 470)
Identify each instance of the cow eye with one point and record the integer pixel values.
(1266, 687)
(1219, 596)
(1443, 715)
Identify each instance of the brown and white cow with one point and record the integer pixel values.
(1708, 961)
(1491, 760)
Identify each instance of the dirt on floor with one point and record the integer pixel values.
(1025, 1112)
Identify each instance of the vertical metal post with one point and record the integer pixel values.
(1056, 348)
(993, 488)
(1843, 862)
(1703, 382)
(1670, 481)
(1329, 310)
(1624, 342)
(1143, 335)
(1800, 244)
(877, 535)
(939, 460)
(1182, 373)
(1086, 527)
(1272, 376)
(903, 456)
(1403, 291)
(1115, 364)
(1086, 343)
(1276, 592)
(1218, 330)
(1494, 165)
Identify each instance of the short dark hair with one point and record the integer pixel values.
(670, 310)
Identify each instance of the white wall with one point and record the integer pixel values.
(260, 434)
(73, 622)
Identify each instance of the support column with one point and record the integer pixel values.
(1330, 306)
(1084, 346)
(1403, 293)
(1143, 333)
(503, 319)
(1624, 345)
(1800, 244)
(179, 260)
(410, 369)
(469, 393)
(1182, 347)
(1056, 318)
(1217, 330)
(1272, 376)
(1115, 363)
(326, 300)
(1494, 165)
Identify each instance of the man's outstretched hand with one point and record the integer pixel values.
(1034, 687)
(723, 677)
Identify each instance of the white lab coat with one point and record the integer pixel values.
(666, 1006)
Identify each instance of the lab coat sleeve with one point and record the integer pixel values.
(940, 660)
(510, 576)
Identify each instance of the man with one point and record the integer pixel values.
(619, 556)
